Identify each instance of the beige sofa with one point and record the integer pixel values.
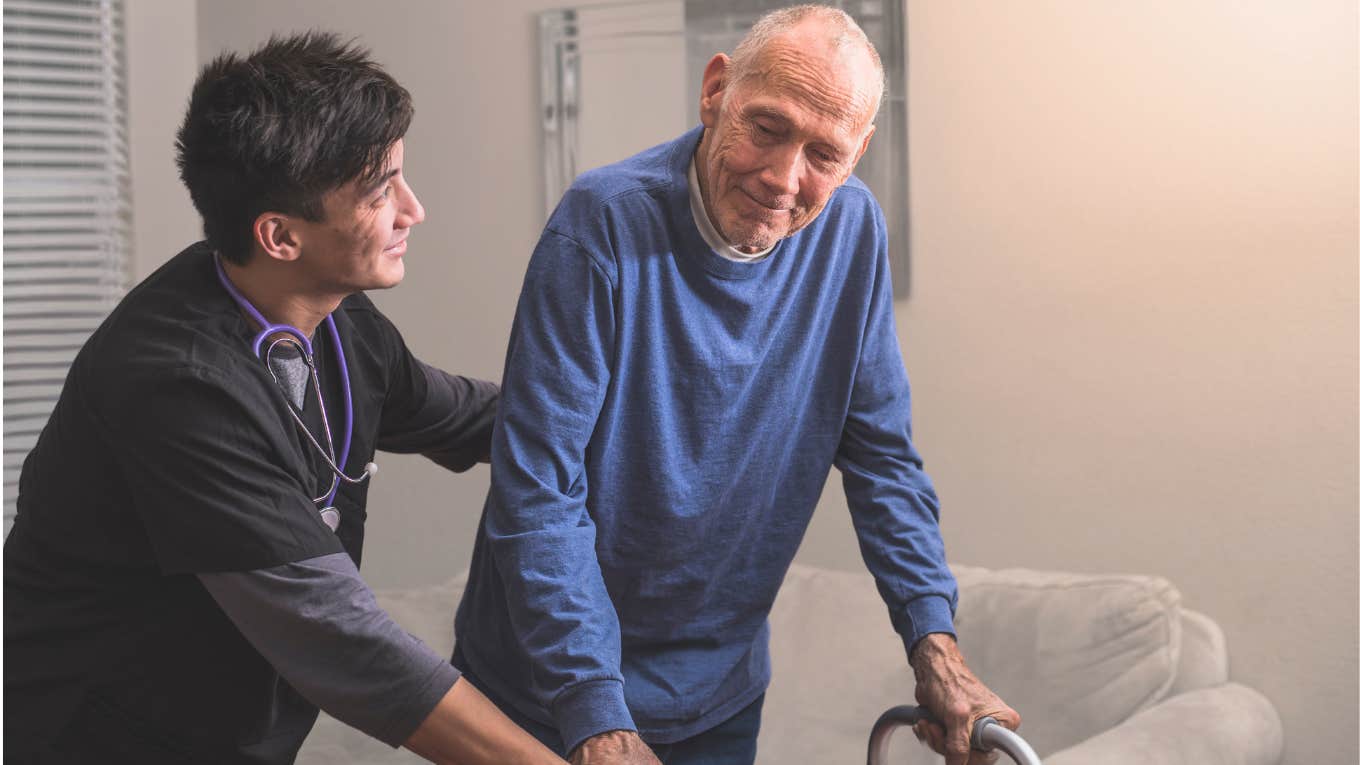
(1104, 669)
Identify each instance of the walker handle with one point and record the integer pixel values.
(988, 734)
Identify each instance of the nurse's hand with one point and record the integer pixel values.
(617, 747)
(952, 693)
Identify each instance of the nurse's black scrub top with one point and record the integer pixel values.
(170, 453)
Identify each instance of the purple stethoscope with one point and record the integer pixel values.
(293, 336)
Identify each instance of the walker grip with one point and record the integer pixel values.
(988, 734)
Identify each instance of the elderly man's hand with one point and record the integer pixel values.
(952, 693)
(617, 747)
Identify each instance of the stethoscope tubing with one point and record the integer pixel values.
(336, 462)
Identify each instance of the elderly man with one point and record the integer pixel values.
(181, 583)
(704, 330)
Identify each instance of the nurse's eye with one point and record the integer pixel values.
(383, 195)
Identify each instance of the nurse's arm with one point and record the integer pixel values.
(467, 728)
(317, 623)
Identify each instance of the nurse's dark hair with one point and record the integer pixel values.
(275, 130)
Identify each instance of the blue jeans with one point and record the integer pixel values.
(730, 743)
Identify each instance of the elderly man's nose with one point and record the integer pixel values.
(782, 171)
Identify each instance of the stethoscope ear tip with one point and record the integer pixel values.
(371, 469)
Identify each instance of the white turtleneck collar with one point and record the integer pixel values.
(709, 231)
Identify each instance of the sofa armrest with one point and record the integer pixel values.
(1225, 725)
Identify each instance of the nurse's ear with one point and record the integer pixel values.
(277, 236)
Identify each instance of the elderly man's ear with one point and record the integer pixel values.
(714, 87)
(864, 145)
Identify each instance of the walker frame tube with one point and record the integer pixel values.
(988, 734)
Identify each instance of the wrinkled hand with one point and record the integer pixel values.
(617, 747)
(955, 696)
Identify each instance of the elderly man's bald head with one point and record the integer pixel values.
(780, 42)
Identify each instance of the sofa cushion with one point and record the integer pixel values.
(1204, 654)
(1075, 654)
(837, 666)
(1227, 724)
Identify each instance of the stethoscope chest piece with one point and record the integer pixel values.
(295, 337)
(331, 517)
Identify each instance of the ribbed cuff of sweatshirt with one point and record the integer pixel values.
(923, 616)
(589, 709)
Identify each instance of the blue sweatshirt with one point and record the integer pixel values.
(668, 419)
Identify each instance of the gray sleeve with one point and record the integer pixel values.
(320, 627)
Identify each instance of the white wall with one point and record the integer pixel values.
(1132, 332)
(1133, 326)
(162, 59)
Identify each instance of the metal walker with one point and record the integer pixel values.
(988, 734)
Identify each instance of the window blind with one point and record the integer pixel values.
(66, 207)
